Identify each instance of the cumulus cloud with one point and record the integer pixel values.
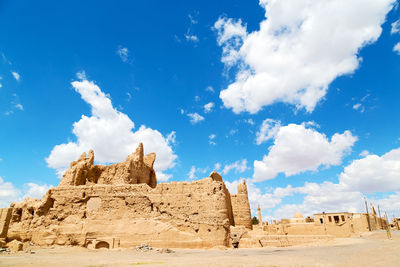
(208, 107)
(368, 175)
(9, 193)
(268, 130)
(256, 197)
(33, 190)
(238, 166)
(110, 134)
(300, 48)
(324, 197)
(373, 173)
(298, 148)
(16, 76)
(123, 53)
(195, 117)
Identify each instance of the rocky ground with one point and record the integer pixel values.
(371, 249)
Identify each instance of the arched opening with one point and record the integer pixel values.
(102, 244)
(89, 245)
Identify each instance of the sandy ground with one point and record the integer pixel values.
(371, 249)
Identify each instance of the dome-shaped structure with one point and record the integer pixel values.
(298, 215)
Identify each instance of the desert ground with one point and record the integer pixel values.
(369, 249)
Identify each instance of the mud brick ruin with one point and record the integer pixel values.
(121, 205)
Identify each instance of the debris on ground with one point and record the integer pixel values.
(144, 247)
(4, 250)
(165, 250)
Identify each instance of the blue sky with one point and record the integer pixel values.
(302, 104)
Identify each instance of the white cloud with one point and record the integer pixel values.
(217, 166)
(268, 130)
(210, 89)
(256, 197)
(294, 56)
(191, 38)
(195, 118)
(9, 193)
(36, 191)
(233, 132)
(396, 48)
(395, 27)
(16, 76)
(171, 137)
(129, 97)
(364, 153)
(123, 53)
(237, 166)
(193, 170)
(19, 106)
(211, 139)
(358, 106)
(368, 175)
(324, 197)
(373, 173)
(197, 98)
(297, 149)
(110, 134)
(230, 36)
(81, 75)
(250, 121)
(208, 107)
(192, 19)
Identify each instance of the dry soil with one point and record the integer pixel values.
(370, 249)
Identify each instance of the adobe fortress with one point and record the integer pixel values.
(121, 205)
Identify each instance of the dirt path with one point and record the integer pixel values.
(373, 249)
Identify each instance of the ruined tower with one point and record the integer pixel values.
(259, 215)
(241, 207)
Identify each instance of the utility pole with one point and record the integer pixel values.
(389, 235)
(380, 218)
(366, 208)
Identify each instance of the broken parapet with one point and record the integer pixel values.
(136, 169)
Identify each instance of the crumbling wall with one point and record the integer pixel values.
(176, 214)
(5, 217)
(241, 207)
(136, 169)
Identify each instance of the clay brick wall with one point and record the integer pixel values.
(5, 217)
(176, 214)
